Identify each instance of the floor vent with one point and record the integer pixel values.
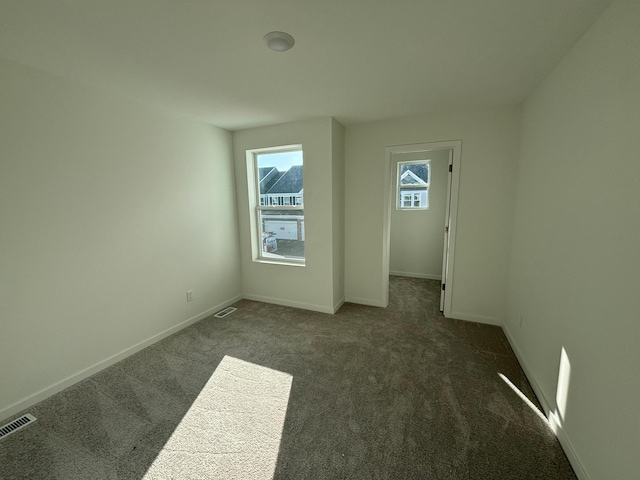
(17, 424)
(225, 312)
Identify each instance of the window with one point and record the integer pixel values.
(413, 185)
(276, 178)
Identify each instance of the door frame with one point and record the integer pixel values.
(450, 220)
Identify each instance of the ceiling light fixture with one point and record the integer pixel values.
(279, 41)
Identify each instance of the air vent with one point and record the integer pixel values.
(225, 312)
(16, 425)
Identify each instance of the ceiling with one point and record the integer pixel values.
(355, 60)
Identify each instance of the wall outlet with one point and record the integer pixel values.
(189, 295)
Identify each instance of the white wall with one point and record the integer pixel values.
(575, 264)
(310, 286)
(417, 236)
(109, 213)
(490, 142)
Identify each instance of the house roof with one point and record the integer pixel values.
(289, 182)
(192, 59)
(414, 174)
(268, 176)
(264, 171)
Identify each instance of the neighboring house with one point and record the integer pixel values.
(414, 185)
(281, 188)
(268, 176)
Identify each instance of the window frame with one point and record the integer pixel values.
(257, 207)
(412, 191)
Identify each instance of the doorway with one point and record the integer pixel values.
(421, 199)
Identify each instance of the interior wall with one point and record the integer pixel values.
(574, 276)
(109, 213)
(310, 286)
(490, 144)
(417, 237)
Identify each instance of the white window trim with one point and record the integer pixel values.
(255, 207)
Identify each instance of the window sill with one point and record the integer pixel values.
(280, 261)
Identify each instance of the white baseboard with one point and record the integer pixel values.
(290, 303)
(46, 392)
(416, 275)
(364, 301)
(547, 408)
(338, 304)
(469, 317)
(571, 454)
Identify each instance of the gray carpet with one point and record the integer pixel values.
(368, 393)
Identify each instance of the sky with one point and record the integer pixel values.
(281, 160)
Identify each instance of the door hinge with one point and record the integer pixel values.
(451, 167)
(443, 287)
(446, 229)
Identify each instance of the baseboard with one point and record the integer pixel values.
(469, 317)
(46, 392)
(364, 301)
(547, 408)
(338, 304)
(571, 454)
(290, 303)
(416, 275)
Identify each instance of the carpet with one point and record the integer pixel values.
(273, 392)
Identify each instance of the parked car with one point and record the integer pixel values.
(269, 243)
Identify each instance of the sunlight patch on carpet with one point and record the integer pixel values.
(524, 398)
(233, 428)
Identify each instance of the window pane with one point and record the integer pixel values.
(280, 176)
(413, 184)
(282, 233)
(280, 219)
(419, 173)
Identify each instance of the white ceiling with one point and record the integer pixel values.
(355, 60)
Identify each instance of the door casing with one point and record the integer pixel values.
(448, 286)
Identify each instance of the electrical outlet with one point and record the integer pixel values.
(189, 295)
